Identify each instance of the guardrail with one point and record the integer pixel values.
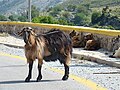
(105, 36)
(65, 27)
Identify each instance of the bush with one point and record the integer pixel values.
(44, 19)
(3, 18)
(22, 18)
(79, 19)
(13, 17)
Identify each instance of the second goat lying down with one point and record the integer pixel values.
(77, 39)
(50, 46)
(91, 43)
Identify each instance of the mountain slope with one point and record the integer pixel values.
(93, 3)
(17, 6)
(96, 5)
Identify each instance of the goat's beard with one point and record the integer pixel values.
(25, 37)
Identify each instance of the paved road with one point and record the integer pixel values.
(87, 75)
(14, 70)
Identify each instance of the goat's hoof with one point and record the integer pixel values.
(39, 78)
(65, 77)
(27, 79)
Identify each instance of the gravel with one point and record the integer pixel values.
(13, 51)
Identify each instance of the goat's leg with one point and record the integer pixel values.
(39, 70)
(30, 72)
(66, 75)
(39, 74)
(66, 66)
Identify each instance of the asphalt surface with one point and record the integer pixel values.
(13, 72)
(88, 75)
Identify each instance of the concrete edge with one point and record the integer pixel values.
(95, 59)
(79, 56)
(15, 46)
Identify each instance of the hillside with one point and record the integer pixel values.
(91, 13)
(96, 5)
(16, 6)
(92, 3)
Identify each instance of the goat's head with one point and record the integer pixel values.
(88, 36)
(28, 35)
(73, 33)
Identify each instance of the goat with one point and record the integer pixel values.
(50, 46)
(77, 40)
(91, 43)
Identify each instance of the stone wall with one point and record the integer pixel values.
(110, 43)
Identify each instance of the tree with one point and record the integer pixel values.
(105, 19)
(3, 18)
(34, 11)
(95, 17)
(55, 11)
(62, 21)
(13, 17)
(22, 18)
(82, 9)
(79, 19)
(71, 8)
(67, 16)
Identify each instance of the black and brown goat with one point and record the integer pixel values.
(50, 46)
(77, 39)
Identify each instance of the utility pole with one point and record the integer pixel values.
(29, 10)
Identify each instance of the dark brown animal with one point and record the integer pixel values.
(77, 40)
(50, 46)
(72, 34)
(91, 43)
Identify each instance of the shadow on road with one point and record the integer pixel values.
(51, 80)
(22, 81)
(13, 82)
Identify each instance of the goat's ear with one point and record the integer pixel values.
(20, 33)
(72, 31)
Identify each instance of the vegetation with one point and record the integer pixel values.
(44, 19)
(3, 18)
(76, 12)
(105, 19)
